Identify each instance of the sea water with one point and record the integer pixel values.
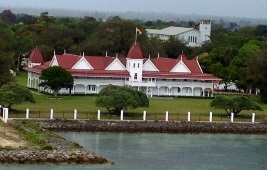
(168, 151)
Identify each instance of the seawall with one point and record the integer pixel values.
(153, 126)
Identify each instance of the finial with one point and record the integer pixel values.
(106, 53)
(149, 56)
(158, 55)
(117, 55)
(36, 47)
(83, 54)
(64, 51)
(54, 52)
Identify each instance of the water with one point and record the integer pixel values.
(169, 151)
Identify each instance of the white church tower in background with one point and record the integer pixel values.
(205, 30)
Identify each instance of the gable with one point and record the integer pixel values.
(83, 64)
(115, 65)
(54, 62)
(149, 66)
(180, 68)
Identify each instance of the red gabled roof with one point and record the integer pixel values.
(135, 52)
(67, 61)
(36, 56)
(164, 64)
(99, 62)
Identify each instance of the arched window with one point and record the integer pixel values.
(179, 89)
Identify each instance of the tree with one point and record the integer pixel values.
(55, 78)
(234, 104)
(12, 93)
(116, 98)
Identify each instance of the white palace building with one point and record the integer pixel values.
(155, 76)
(190, 36)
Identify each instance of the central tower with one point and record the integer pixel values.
(134, 63)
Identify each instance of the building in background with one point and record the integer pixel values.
(190, 36)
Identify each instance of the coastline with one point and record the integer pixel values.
(153, 126)
(46, 147)
(57, 150)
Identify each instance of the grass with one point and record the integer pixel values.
(177, 108)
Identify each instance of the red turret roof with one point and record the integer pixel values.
(36, 57)
(135, 52)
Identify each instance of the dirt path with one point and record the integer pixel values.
(11, 137)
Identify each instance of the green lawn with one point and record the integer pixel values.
(177, 108)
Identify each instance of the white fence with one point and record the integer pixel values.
(5, 115)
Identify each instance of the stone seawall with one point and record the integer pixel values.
(154, 126)
(55, 157)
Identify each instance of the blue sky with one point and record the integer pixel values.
(236, 8)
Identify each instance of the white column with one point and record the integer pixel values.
(51, 113)
(232, 117)
(27, 113)
(6, 115)
(75, 114)
(167, 116)
(253, 117)
(144, 116)
(121, 114)
(188, 117)
(210, 116)
(98, 114)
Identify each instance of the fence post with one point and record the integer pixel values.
(6, 114)
(51, 113)
(253, 117)
(167, 116)
(27, 113)
(121, 114)
(75, 114)
(144, 116)
(210, 116)
(98, 114)
(188, 117)
(232, 117)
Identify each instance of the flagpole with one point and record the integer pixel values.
(135, 36)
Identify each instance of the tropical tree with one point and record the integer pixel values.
(234, 104)
(116, 98)
(55, 78)
(12, 93)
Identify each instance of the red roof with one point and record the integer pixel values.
(36, 56)
(135, 52)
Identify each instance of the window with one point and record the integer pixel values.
(179, 89)
(93, 88)
(138, 65)
(134, 65)
(135, 76)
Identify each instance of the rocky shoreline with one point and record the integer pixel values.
(47, 148)
(78, 156)
(153, 126)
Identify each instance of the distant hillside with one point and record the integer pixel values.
(145, 16)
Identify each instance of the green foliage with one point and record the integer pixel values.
(234, 104)
(6, 148)
(116, 98)
(14, 94)
(56, 78)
